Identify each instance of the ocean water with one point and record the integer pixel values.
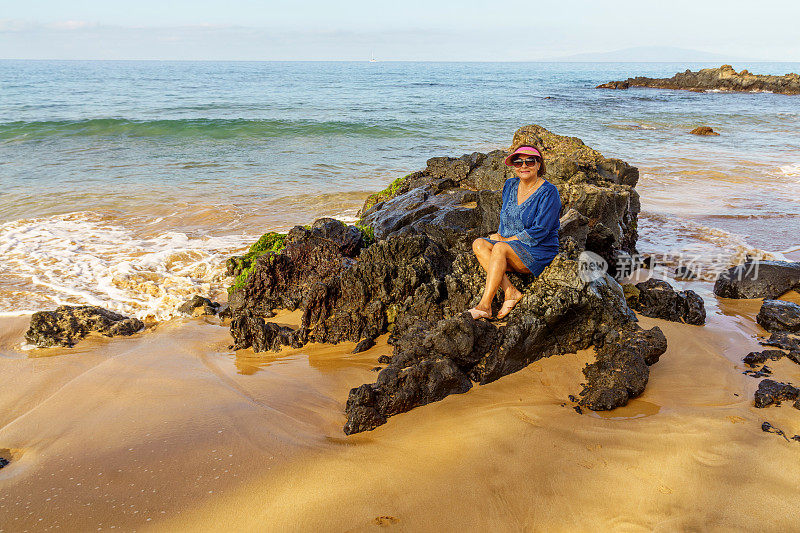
(127, 184)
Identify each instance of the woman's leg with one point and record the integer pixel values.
(496, 260)
(483, 251)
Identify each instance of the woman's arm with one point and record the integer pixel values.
(539, 222)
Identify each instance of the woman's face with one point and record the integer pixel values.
(529, 170)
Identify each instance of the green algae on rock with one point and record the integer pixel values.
(388, 193)
(242, 266)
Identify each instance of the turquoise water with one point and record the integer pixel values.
(226, 150)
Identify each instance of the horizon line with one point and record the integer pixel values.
(721, 61)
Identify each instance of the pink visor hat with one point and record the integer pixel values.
(523, 150)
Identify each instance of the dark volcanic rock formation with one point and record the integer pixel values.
(724, 78)
(779, 315)
(770, 392)
(455, 200)
(758, 279)
(560, 313)
(754, 359)
(67, 325)
(783, 340)
(419, 276)
(657, 299)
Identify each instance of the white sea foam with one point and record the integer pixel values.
(791, 171)
(83, 258)
(683, 242)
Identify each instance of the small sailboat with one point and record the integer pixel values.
(372, 58)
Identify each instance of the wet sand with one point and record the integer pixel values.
(171, 431)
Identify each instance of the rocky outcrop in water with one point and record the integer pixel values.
(657, 299)
(724, 78)
(758, 279)
(419, 276)
(705, 131)
(67, 325)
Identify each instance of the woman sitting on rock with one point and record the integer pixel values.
(527, 239)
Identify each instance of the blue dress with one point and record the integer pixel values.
(535, 223)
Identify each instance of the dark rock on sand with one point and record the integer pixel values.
(657, 299)
(559, 313)
(766, 427)
(783, 340)
(754, 359)
(779, 315)
(4, 462)
(758, 279)
(384, 359)
(253, 331)
(770, 392)
(724, 78)
(621, 370)
(364, 345)
(703, 130)
(419, 276)
(762, 372)
(67, 325)
(198, 305)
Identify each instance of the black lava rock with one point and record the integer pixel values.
(759, 358)
(67, 325)
(778, 315)
(770, 392)
(758, 279)
(657, 299)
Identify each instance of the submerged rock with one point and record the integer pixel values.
(779, 315)
(703, 130)
(724, 78)
(770, 392)
(657, 299)
(68, 324)
(758, 279)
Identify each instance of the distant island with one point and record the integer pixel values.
(724, 78)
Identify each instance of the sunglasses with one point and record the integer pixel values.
(518, 163)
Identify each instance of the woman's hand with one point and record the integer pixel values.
(496, 237)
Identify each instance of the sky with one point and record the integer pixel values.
(410, 30)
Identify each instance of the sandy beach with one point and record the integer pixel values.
(171, 431)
